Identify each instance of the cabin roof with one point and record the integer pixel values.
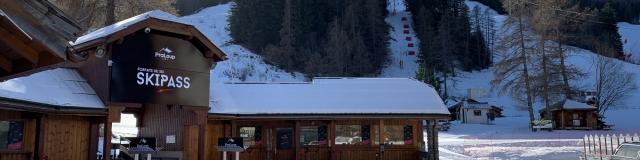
(59, 87)
(571, 104)
(157, 20)
(328, 96)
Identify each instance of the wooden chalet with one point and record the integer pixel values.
(475, 111)
(332, 118)
(570, 114)
(34, 34)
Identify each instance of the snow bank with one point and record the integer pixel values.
(630, 34)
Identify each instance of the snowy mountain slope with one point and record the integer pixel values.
(242, 64)
(400, 64)
(631, 40)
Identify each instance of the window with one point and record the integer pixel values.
(398, 135)
(251, 136)
(11, 135)
(477, 112)
(353, 134)
(313, 135)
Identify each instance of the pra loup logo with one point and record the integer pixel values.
(165, 54)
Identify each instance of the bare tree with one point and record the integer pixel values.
(612, 83)
(512, 71)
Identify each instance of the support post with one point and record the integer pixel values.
(114, 116)
(224, 155)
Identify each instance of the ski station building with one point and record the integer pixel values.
(58, 100)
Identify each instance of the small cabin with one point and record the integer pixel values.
(475, 112)
(328, 118)
(570, 115)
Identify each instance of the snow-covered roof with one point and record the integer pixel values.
(105, 31)
(477, 105)
(328, 96)
(571, 104)
(59, 87)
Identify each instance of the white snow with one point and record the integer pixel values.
(329, 96)
(630, 40)
(105, 31)
(571, 104)
(59, 87)
(398, 45)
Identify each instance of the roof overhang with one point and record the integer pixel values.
(21, 105)
(331, 116)
(184, 31)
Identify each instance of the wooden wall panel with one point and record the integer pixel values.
(215, 129)
(160, 120)
(67, 138)
(190, 142)
(15, 156)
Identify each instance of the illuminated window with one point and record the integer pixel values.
(353, 134)
(11, 135)
(398, 135)
(313, 135)
(250, 136)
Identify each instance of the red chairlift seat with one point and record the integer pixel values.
(408, 38)
(404, 18)
(406, 31)
(406, 26)
(411, 53)
(410, 45)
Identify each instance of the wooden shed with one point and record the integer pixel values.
(328, 118)
(570, 114)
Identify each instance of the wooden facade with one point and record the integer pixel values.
(48, 135)
(575, 119)
(268, 149)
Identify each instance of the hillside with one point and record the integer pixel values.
(509, 137)
(242, 65)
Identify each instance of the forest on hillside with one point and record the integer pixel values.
(591, 21)
(315, 37)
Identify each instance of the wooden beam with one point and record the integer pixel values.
(19, 46)
(6, 64)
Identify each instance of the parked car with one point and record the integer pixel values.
(627, 151)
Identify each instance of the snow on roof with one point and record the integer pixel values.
(60, 87)
(571, 104)
(105, 31)
(328, 96)
(477, 105)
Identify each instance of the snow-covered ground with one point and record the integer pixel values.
(510, 138)
(630, 34)
(398, 45)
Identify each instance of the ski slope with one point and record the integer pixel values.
(400, 63)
